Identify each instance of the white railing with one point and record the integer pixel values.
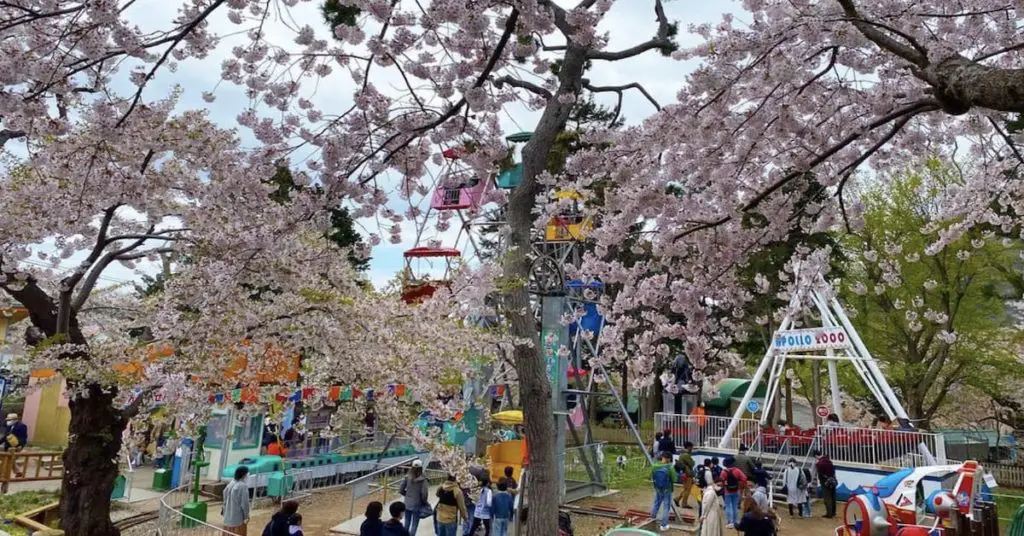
(705, 431)
(172, 522)
(894, 448)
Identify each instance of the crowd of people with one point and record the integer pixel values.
(492, 508)
(733, 493)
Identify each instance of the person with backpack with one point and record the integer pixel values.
(662, 476)
(734, 482)
(684, 468)
(716, 469)
(827, 480)
(451, 506)
(413, 490)
(794, 485)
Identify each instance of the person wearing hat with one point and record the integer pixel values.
(16, 437)
(413, 489)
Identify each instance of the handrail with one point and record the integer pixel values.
(396, 465)
(179, 517)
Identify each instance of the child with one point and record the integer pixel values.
(394, 526)
(372, 526)
(295, 525)
(501, 509)
(482, 512)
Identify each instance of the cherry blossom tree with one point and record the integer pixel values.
(782, 89)
(843, 89)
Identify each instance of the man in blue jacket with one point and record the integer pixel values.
(16, 437)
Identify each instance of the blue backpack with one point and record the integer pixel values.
(662, 479)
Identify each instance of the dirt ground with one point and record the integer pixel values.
(641, 499)
(324, 510)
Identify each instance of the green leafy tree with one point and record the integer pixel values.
(342, 231)
(936, 318)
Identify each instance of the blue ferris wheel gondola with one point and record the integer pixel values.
(592, 319)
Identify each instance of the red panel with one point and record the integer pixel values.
(432, 252)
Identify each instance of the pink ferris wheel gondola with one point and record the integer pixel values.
(460, 186)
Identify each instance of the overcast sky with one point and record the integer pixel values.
(629, 22)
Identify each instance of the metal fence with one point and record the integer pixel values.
(172, 522)
(382, 481)
(868, 446)
(704, 431)
(880, 447)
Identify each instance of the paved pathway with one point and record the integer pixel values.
(351, 527)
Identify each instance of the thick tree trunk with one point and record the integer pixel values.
(542, 490)
(90, 465)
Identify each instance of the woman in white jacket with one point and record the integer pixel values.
(796, 489)
(712, 517)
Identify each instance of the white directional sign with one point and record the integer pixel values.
(804, 340)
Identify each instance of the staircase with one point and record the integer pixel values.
(776, 481)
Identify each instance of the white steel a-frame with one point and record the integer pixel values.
(835, 340)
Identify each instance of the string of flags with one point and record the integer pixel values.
(335, 393)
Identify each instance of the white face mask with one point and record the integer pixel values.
(9, 423)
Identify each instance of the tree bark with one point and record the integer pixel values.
(542, 490)
(90, 465)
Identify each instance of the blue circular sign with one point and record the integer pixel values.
(753, 406)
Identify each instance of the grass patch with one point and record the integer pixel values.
(18, 503)
(636, 474)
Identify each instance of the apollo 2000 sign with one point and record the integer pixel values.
(803, 340)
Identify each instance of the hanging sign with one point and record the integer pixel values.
(804, 340)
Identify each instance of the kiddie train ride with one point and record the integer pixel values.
(898, 504)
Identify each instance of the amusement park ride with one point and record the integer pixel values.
(899, 506)
(557, 248)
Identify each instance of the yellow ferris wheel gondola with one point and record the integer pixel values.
(570, 224)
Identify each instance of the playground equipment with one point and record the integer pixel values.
(899, 504)
(416, 289)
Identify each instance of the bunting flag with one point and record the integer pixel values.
(281, 396)
(392, 389)
(334, 392)
(250, 395)
(308, 392)
(369, 395)
(400, 389)
(356, 393)
(499, 391)
(218, 398)
(346, 394)
(236, 395)
(296, 396)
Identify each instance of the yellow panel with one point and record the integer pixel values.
(53, 420)
(506, 454)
